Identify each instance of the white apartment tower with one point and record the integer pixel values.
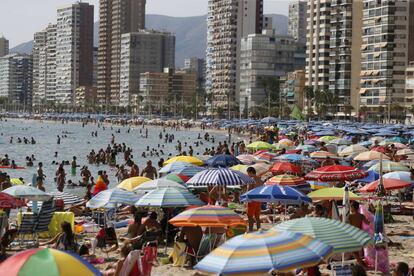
(227, 22)
(74, 50)
(297, 20)
(387, 48)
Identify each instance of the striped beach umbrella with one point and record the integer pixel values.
(352, 149)
(158, 184)
(47, 262)
(68, 199)
(388, 183)
(112, 197)
(187, 159)
(131, 183)
(263, 252)
(332, 193)
(175, 166)
(343, 237)
(219, 177)
(222, 160)
(207, 216)
(275, 194)
(168, 197)
(370, 155)
(335, 173)
(293, 181)
(179, 178)
(266, 157)
(189, 171)
(322, 154)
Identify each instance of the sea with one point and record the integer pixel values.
(77, 140)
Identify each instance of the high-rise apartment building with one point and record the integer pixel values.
(297, 20)
(345, 52)
(4, 46)
(198, 67)
(387, 48)
(74, 50)
(16, 78)
(227, 22)
(266, 56)
(116, 17)
(318, 43)
(409, 84)
(143, 51)
(50, 94)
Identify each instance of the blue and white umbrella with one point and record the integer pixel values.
(404, 176)
(111, 198)
(158, 184)
(175, 166)
(222, 160)
(276, 194)
(219, 177)
(189, 171)
(168, 197)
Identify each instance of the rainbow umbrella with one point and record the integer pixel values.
(293, 181)
(187, 159)
(46, 262)
(176, 177)
(207, 216)
(262, 252)
(131, 183)
(343, 237)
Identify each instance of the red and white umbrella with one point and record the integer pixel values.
(335, 173)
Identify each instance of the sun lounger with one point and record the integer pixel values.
(44, 217)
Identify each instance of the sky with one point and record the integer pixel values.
(20, 19)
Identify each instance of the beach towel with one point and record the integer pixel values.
(370, 251)
(178, 254)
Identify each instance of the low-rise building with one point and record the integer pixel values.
(294, 87)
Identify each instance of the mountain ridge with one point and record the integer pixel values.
(190, 32)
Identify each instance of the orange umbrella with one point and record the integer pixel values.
(285, 167)
(389, 184)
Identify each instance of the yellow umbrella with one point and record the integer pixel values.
(332, 193)
(131, 183)
(187, 159)
(370, 155)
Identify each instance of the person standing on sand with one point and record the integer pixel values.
(357, 219)
(253, 208)
(149, 171)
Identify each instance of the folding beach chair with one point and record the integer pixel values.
(26, 228)
(45, 217)
(207, 243)
(342, 268)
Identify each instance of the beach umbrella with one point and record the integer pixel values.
(268, 120)
(352, 149)
(266, 157)
(222, 160)
(323, 154)
(404, 176)
(131, 183)
(379, 149)
(275, 194)
(260, 168)
(16, 181)
(262, 252)
(220, 177)
(111, 198)
(207, 216)
(27, 192)
(389, 166)
(297, 158)
(189, 171)
(158, 184)
(371, 176)
(293, 181)
(327, 138)
(317, 185)
(175, 166)
(10, 202)
(284, 144)
(365, 143)
(332, 193)
(312, 142)
(259, 145)
(388, 183)
(179, 178)
(187, 159)
(285, 167)
(68, 199)
(46, 262)
(246, 158)
(343, 237)
(335, 173)
(405, 152)
(168, 197)
(370, 155)
(306, 148)
(340, 141)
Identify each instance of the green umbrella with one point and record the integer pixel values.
(342, 236)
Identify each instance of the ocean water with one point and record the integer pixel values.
(79, 142)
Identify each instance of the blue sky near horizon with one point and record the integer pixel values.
(20, 19)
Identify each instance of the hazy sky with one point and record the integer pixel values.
(20, 19)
